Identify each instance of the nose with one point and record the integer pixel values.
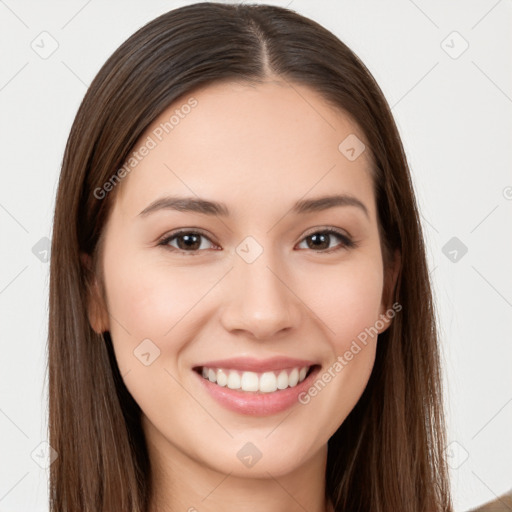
(260, 299)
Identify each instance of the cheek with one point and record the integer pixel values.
(348, 309)
(153, 303)
(150, 300)
(347, 299)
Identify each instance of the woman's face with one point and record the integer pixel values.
(255, 288)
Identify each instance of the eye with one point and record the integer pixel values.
(190, 241)
(321, 240)
(187, 241)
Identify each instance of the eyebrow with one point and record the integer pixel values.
(203, 206)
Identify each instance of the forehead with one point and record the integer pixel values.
(259, 142)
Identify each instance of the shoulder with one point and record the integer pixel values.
(500, 504)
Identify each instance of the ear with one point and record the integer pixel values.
(390, 280)
(96, 310)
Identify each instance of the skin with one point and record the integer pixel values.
(258, 149)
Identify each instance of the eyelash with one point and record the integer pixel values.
(347, 242)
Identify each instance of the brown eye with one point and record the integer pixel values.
(320, 240)
(192, 242)
(186, 241)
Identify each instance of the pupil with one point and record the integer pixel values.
(189, 241)
(317, 238)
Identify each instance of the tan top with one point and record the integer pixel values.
(500, 504)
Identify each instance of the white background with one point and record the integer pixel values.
(454, 115)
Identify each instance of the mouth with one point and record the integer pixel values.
(252, 382)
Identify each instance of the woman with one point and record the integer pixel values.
(206, 350)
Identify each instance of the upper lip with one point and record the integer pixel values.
(249, 364)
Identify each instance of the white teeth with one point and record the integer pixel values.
(249, 381)
(282, 380)
(266, 382)
(234, 381)
(293, 378)
(222, 378)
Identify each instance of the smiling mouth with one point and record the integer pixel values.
(256, 382)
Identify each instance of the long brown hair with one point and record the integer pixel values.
(388, 455)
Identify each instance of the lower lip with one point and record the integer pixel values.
(257, 404)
